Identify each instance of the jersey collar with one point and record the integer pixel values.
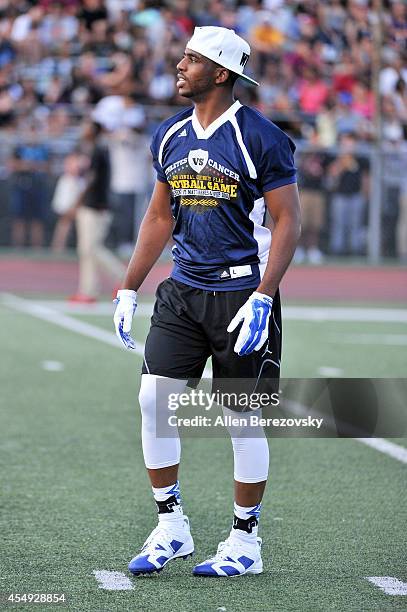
(211, 129)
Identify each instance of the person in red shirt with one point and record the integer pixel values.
(313, 92)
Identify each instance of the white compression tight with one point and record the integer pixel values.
(250, 447)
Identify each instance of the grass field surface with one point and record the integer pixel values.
(75, 498)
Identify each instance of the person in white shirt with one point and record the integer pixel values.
(130, 169)
(68, 188)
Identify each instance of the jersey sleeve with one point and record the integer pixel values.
(277, 167)
(154, 148)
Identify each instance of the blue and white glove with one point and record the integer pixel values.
(255, 314)
(126, 304)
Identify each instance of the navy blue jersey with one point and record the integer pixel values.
(218, 177)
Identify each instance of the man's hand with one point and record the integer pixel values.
(126, 304)
(255, 314)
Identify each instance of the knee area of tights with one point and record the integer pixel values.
(146, 398)
(253, 444)
(247, 433)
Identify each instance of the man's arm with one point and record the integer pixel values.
(155, 231)
(154, 234)
(284, 207)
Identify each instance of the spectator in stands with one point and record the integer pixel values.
(392, 125)
(92, 11)
(81, 88)
(130, 159)
(401, 236)
(58, 58)
(211, 14)
(7, 106)
(68, 190)
(162, 85)
(347, 181)
(272, 87)
(118, 81)
(394, 160)
(28, 190)
(346, 119)
(311, 183)
(93, 220)
(362, 102)
(391, 74)
(400, 102)
(8, 53)
(76, 53)
(266, 34)
(312, 91)
(130, 166)
(326, 132)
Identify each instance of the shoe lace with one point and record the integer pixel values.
(159, 535)
(228, 548)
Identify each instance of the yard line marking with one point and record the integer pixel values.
(386, 447)
(380, 444)
(98, 309)
(52, 366)
(51, 316)
(294, 313)
(330, 371)
(376, 339)
(43, 312)
(389, 585)
(333, 313)
(113, 581)
(85, 329)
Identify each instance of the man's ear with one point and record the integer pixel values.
(221, 75)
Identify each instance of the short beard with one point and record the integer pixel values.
(199, 93)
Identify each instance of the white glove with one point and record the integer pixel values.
(126, 304)
(255, 314)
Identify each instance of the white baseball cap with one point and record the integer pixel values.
(222, 46)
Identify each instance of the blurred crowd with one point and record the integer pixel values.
(314, 59)
(62, 61)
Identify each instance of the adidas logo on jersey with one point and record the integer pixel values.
(183, 133)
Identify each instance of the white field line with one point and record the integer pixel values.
(91, 331)
(45, 313)
(333, 313)
(52, 366)
(295, 313)
(374, 339)
(380, 444)
(99, 308)
(57, 318)
(329, 371)
(386, 447)
(113, 581)
(389, 585)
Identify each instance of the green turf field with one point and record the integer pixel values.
(75, 498)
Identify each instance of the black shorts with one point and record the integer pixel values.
(189, 325)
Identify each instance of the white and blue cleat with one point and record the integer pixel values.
(165, 542)
(233, 558)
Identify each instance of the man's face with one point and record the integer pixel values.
(196, 74)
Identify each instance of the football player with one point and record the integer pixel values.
(220, 166)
